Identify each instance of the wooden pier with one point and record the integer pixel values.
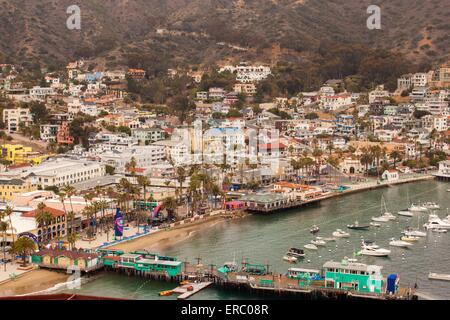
(185, 293)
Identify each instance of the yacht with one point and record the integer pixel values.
(389, 216)
(405, 213)
(431, 205)
(434, 222)
(414, 232)
(369, 244)
(379, 252)
(340, 234)
(357, 226)
(399, 243)
(319, 243)
(310, 246)
(294, 252)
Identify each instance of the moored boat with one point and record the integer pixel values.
(319, 243)
(290, 259)
(298, 253)
(367, 251)
(431, 205)
(434, 222)
(417, 208)
(405, 213)
(310, 246)
(314, 229)
(414, 233)
(380, 219)
(357, 226)
(410, 238)
(375, 224)
(399, 243)
(439, 276)
(340, 234)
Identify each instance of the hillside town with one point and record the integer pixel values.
(82, 143)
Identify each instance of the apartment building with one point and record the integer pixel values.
(14, 117)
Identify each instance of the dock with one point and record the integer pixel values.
(185, 293)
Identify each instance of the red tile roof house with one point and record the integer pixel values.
(56, 228)
(64, 259)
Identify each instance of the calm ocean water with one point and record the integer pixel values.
(264, 240)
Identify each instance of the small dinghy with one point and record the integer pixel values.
(319, 243)
(290, 259)
(341, 234)
(310, 246)
(314, 229)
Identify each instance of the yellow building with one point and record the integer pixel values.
(19, 154)
(10, 186)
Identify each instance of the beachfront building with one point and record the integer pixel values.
(444, 170)
(265, 202)
(63, 259)
(353, 276)
(390, 175)
(53, 229)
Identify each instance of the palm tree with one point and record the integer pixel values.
(8, 213)
(70, 192)
(88, 212)
(144, 183)
(366, 159)
(170, 204)
(181, 178)
(3, 229)
(24, 247)
(216, 191)
(395, 155)
(72, 239)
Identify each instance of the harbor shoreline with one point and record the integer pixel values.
(158, 242)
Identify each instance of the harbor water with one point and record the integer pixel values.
(265, 239)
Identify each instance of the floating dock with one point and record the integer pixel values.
(185, 293)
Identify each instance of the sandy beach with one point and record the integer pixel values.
(34, 281)
(158, 241)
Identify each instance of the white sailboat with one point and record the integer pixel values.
(385, 214)
(310, 246)
(431, 205)
(405, 213)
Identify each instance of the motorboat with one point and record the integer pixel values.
(414, 232)
(310, 246)
(417, 208)
(431, 205)
(405, 213)
(434, 222)
(314, 229)
(357, 226)
(380, 219)
(298, 253)
(379, 252)
(399, 243)
(369, 244)
(329, 239)
(340, 234)
(290, 259)
(410, 238)
(375, 224)
(319, 243)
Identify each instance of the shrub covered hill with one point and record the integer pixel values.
(159, 34)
